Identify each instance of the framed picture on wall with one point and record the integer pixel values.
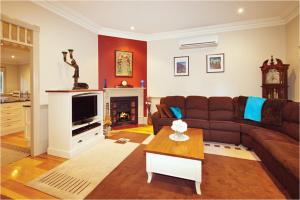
(215, 63)
(123, 63)
(181, 66)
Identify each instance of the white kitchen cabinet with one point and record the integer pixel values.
(12, 118)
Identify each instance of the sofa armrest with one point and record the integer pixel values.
(155, 115)
(155, 118)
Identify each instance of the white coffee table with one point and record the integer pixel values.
(178, 159)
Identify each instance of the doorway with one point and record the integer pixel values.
(16, 93)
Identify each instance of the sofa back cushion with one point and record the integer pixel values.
(196, 107)
(175, 101)
(272, 112)
(220, 108)
(290, 124)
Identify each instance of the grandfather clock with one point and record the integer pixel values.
(274, 79)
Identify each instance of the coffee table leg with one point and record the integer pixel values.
(149, 177)
(198, 189)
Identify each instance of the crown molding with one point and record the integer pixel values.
(68, 14)
(205, 30)
(80, 20)
(291, 15)
(122, 34)
(84, 22)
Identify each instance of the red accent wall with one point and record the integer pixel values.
(106, 61)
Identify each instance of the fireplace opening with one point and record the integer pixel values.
(123, 116)
(124, 110)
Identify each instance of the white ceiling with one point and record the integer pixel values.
(21, 55)
(150, 17)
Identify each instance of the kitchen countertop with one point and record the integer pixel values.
(4, 100)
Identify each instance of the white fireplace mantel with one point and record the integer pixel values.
(126, 92)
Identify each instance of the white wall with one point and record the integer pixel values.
(25, 77)
(244, 52)
(56, 35)
(11, 78)
(17, 77)
(292, 39)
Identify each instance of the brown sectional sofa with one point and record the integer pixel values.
(277, 146)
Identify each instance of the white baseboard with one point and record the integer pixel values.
(58, 152)
(145, 120)
(142, 120)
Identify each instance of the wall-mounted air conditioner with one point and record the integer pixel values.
(199, 42)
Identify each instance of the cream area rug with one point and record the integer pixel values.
(77, 177)
(9, 156)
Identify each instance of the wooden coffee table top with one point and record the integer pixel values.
(191, 149)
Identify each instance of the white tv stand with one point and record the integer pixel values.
(60, 127)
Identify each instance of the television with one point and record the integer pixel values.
(84, 108)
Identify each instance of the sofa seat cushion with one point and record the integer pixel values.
(230, 137)
(247, 125)
(260, 135)
(224, 125)
(246, 128)
(285, 153)
(197, 123)
(248, 122)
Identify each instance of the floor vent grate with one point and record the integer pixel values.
(65, 182)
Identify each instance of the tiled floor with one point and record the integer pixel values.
(230, 150)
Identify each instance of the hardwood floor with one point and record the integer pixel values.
(14, 176)
(16, 140)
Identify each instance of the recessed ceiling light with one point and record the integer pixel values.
(12, 56)
(240, 10)
(132, 28)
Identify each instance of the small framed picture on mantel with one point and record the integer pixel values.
(215, 63)
(181, 66)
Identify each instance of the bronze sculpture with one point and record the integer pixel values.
(76, 72)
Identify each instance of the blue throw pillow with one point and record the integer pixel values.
(176, 112)
(253, 108)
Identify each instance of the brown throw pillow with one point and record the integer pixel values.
(272, 111)
(240, 107)
(167, 110)
(161, 112)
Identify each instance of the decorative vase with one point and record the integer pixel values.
(105, 83)
(142, 83)
(178, 134)
(179, 127)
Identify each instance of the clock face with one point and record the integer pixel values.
(273, 76)
(124, 83)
